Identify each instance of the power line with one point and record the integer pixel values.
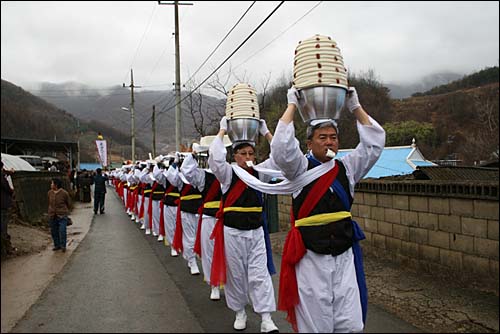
(142, 38)
(281, 34)
(249, 36)
(210, 55)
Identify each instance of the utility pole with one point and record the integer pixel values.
(78, 143)
(153, 120)
(132, 114)
(178, 135)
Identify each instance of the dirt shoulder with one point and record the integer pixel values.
(26, 239)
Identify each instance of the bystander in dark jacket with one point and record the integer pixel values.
(99, 182)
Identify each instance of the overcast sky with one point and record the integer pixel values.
(96, 43)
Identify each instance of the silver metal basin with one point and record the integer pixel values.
(321, 102)
(243, 129)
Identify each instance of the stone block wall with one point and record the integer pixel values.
(446, 228)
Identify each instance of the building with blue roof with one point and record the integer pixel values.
(395, 160)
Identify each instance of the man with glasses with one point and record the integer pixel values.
(240, 234)
(321, 281)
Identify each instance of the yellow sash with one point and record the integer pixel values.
(212, 205)
(243, 209)
(323, 219)
(190, 197)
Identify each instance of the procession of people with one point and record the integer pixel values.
(216, 214)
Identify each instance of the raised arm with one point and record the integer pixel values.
(285, 148)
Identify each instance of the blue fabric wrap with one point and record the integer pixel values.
(269, 251)
(357, 236)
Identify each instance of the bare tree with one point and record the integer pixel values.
(264, 84)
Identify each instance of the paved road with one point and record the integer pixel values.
(120, 280)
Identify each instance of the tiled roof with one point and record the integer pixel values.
(442, 173)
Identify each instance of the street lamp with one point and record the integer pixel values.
(132, 130)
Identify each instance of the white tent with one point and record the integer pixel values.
(16, 163)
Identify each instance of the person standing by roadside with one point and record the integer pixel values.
(7, 194)
(99, 182)
(59, 204)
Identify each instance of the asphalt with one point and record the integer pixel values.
(113, 278)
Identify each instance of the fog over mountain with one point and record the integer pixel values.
(105, 105)
(403, 90)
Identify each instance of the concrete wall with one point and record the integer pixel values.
(444, 228)
(31, 193)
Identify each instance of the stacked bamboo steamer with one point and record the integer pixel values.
(318, 62)
(242, 102)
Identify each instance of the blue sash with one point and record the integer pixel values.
(269, 251)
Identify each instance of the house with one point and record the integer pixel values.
(395, 160)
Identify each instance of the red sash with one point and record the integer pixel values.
(177, 242)
(294, 248)
(136, 198)
(130, 200)
(218, 271)
(211, 195)
(150, 205)
(162, 220)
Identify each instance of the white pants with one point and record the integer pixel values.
(189, 227)
(247, 273)
(125, 196)
(207, 245)
(145, 220)
(328, 293)
(169, 216)
(156, 216)
(139, 202)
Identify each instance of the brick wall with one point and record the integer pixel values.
(449, 229)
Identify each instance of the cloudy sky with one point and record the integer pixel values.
(97, 43)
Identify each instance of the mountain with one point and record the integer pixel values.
(398, 91)
(25, 116)
(105, 106)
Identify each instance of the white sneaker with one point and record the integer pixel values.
(132, 217)
(155, 234)
(160, 237)
(173, 253)
(268, 326)
(143, 226)
(241, 320)
(148, 231)
(215, 295)
(194, 269)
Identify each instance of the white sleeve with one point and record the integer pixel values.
(158, 175)
(174, 178)
(371, 144)
(286, 153)
(144, 175)
(218, 164)
(195, 175)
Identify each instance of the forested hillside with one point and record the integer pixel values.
(26, 116)
(484, 77)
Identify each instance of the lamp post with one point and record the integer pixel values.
(132, 130)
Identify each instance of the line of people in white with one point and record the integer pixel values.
(217, 214)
